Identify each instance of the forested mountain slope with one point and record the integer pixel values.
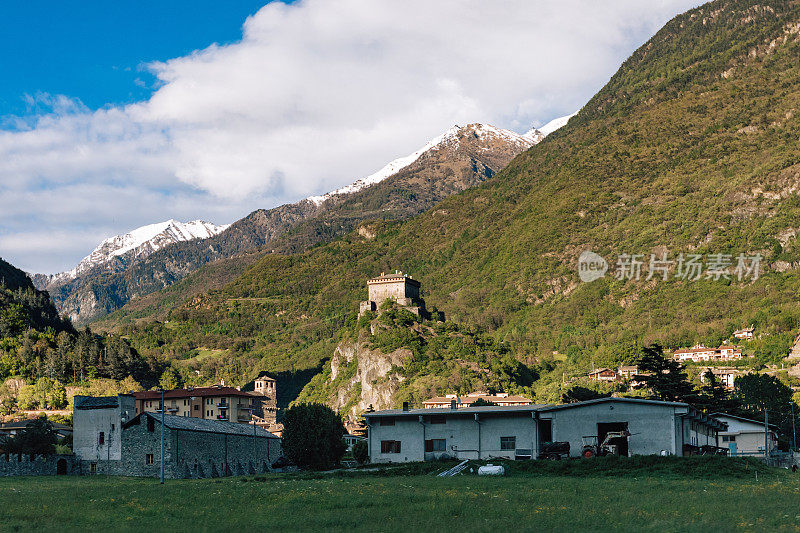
(690, 148)
(41, 349)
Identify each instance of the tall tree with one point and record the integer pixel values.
(313, 436)
(714, 397)
(664, 376)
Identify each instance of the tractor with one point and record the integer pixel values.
(591, 448)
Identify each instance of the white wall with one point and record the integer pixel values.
(464, 437)
(652, 426)
(87, 425)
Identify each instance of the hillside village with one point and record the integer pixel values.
(112, 434)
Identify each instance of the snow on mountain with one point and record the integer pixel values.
(141, 242)
(448, 139)
(555, 124)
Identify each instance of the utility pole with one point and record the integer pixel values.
(794, 434)
(163, 408)
(766, 435)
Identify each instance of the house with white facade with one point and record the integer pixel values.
(518, 432)
(746, 437)
(700, 353)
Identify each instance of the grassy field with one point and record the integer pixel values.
(524, 500)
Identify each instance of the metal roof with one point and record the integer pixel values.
(186, 423)
(97, 402)
(612, 399)
(741, 419)
(461, 410)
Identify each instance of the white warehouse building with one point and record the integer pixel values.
(518, 432)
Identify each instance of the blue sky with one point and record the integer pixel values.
(94, 51)
(114, 115)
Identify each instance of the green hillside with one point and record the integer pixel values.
(690, 148)
(41, 353)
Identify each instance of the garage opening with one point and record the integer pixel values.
(61, 467)
(620, 444)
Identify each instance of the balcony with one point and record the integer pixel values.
(222, 417)
(246, 407)
(222, 406)
(243, 417)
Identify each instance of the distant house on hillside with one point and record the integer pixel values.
(701, 353)
(13, 428)
(744, 334)
(500, 398)
(604, 374)
(726, 376)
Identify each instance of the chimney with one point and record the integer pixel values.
(405, 406)
(453, 404)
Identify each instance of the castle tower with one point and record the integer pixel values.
(404, 289)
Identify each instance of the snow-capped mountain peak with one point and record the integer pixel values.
(450, 139)
(141, 242)
(550, 127)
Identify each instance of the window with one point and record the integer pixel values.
(387, 421)
(729, 438)
(197, 407)
(151, 425)
(438, 419)
(148, 459)
(101, 438)
(390, 446)
(112, 427)
(435, 445)
(508, 443)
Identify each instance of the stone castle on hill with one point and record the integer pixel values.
(398, 286)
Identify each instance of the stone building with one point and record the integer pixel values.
(97, 428)
(401, 287)
(195, 448)
(268, 415)
(110, 438)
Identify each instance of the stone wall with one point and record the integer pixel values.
(379, 291)
(40, 465)
(190, 454)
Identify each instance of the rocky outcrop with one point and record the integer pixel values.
(363, 376)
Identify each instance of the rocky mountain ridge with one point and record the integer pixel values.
(459, 159)
(118, 252)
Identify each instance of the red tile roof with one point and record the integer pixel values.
(195, 392)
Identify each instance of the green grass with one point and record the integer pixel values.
(420, 502)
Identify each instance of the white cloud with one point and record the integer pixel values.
(315, 95)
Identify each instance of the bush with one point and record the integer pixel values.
(361, 452)
(313, 436)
